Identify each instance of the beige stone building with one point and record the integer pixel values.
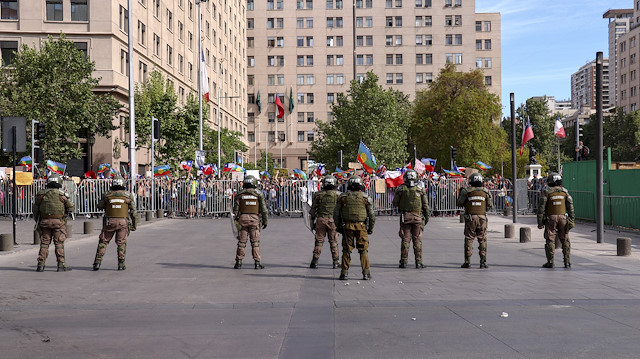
(583, 86)
(306, 48)
(627, 65)
(165, 36)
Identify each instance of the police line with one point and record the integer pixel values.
(213, 198)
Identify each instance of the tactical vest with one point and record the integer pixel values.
(476, 202)
(354, 207)
(249, 203)
(556, 203)
(52, 204)
(410, 200)
(326, 203)
(117, 205)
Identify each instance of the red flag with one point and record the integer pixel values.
(558, 129)
(527, 134)
(279, 108)
(393, 178)
(204, 79)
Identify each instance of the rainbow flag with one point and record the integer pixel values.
(366, 158)
(483, 166)
(163, 170)
(298, 173)
(104, 167)
(508, 201)
(56, 167)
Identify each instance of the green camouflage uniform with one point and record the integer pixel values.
(322, 208)
(355, 219)
(413, 205)
(555, 213)
(50, 210)
(251, 213)
(120, 218)
(476, 201)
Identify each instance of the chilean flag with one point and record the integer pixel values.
(279, 108)
(204, 79)
(393, 178)
(527, 134)
(429, 163)
(558, 129)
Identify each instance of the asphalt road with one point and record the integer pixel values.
(181, 298)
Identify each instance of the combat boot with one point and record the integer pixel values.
(344, 275)
(403, 264)
(336, 264)
(96, 266)
(419, 265)
(121, 265)
(314, 263)
(466, 264)
(548, 265)
(366, 275)
(483, 264)
(567, 262)
(63, 267)
(40, 267)
(238, 264)
(258, 265)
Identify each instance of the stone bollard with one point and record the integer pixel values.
(149, 215)
(69, 230)
(6, 242)
(507, 211)
(461, 217)
(36, 237)
(159, 213)
(509, 231)
(624, 246)
(525, 234)
(88, 227)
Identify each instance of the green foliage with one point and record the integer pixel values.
(250, 165)
(621, 132)
(156, 98)
(53, 85)
(378, 117)
(544, 141)
(458, 110)
(230, 141)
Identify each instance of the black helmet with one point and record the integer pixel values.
(329, 182)
(249, 182)
(355, 183)
(410, 178)
(554, 179)
(54, 181)
(475, 179)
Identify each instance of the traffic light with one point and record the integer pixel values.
(41, 133)
(156, 128)
(454, 152)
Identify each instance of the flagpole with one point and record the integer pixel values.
(200, 55)
(558, 141)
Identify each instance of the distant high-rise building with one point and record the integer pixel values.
(583, 86)
(314, 49)
(619, 24)
(627, 65)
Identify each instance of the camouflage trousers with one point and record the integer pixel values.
(52, 229)
(249, 230)
(111, 226)
(475, 227)
(355, 236)
(410, 230)
(556, 225)
(326, 226)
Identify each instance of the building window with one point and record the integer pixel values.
(54, 10)
(156, 7)
(458, 39)
(330, 97)
(478, 44)
(124, 19)
(448, 40)
(124, 63)
(389, 78)
(428, 21)
(300, 116)
(428, 40)
(486, 26)
(79, 10)
(458, 59)
(156, 45)
(82, 46)
(190, 35)
(487, 44)
(250, 23)
(398, 78)
(170, 21)
(180, 63)
(418, 78)
(310, 135)
(487, 80)
(142, 69)
(300, 136)
(142, 33)
(9, 9)
(169, 55)
(190, 67)
(398, 59)
(310, 118)
(478, 26)
(8, 49)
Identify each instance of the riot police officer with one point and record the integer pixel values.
(355, 219)
(413, 206)
(322, 207)
(476, 200)
(250, 214)
(50, 210)
(556, 216)
(120, 217)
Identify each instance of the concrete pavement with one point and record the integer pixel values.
(181, 298)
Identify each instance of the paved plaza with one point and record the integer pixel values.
(181, 298)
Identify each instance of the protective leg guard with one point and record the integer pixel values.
(238, 264)
(314, 263)
(258, 265)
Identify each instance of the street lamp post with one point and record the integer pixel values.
(200, 73)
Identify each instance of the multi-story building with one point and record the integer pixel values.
(165, 39)
(313, 50)
(583, 86)
(627, 65)
(562, 107)
(619, 22)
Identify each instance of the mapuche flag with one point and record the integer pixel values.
(163, 170)
(56, 167)
(366, 158)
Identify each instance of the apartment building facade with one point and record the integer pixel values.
(307, 52)
(583, 86)
(627, 53)
(619, 23)
(165, 39)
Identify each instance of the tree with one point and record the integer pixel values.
(368, 113)
(458, 110)
(155, 97)
(230, 141)
(545, 142)
(53, 85)
(621, 132)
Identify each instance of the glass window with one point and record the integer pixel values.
(428, 59)
(310, 134)
(54, 10)
(487, 44)
(310, 80)
(389, 78)
(300, 80)
(300, 136)
(399, 78)
(79, 10)
(8, 49)
(124, 19)
(9, 9)
(418, 40)
(300, 116)
(418, 78)
(310, 118)
(419, 58)
(428, 77)
(339, 60)
(369, 59)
